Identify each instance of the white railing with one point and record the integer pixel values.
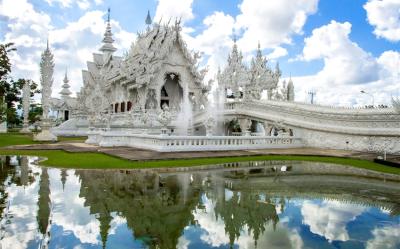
(196, 143)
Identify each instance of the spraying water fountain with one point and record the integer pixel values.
(185, 115)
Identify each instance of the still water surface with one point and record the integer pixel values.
(267, 205)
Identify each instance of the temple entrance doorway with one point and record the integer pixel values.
(66, 115)
(171, 92)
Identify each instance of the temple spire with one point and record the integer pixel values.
(108, 47)
(46, 78)
(65, 92)
(148, 18)
(259, 53)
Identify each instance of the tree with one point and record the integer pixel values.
(10, 90)
(5, 69)
(35, 112)
(5, 64)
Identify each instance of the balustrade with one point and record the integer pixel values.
(195, 143)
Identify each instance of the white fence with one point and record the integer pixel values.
(194, 143)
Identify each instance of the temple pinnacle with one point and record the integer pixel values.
(108, 47)
(148, 18)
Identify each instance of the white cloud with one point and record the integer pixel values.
(347, 69)
(69, 210)
(72, 44)
(385, 237)
(215, 41)
(278, 52)
(167, 9)
(344, 61)
(329, 219)
(384, 15)
(82, 4)
(27, 28)
(272, 22)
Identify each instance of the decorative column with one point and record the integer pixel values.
(3, 116)
(46, 79)
(26, 95)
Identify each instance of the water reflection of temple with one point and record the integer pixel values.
(158, 207)
(305, 180)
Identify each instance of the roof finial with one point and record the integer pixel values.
(234, 38)
(47, 47)
(108, 40)
(148, 18)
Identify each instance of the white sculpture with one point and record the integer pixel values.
(3, 116)
(46, 80)
(26, 95)
(165, 119)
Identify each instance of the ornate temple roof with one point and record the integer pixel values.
(261, 75)
(147, 55)
(235, 73)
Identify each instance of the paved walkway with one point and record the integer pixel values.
(135, 154)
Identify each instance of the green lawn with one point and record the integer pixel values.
(85, 160)
(7, 139)
(15, 138)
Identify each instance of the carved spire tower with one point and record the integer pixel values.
(65, 92)
(46, 78)
(108, 48)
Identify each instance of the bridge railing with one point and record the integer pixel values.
(196, 143)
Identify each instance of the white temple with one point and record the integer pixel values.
(155, 98)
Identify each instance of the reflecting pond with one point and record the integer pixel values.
(242, 205)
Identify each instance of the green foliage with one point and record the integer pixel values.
(35, 112)
(10, 90)
(5, 64)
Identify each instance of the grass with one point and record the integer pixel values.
(11, 138)
(84, 160)
(91, 160)
(15, 138)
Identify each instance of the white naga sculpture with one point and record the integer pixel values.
(26, 95)
(46, 80)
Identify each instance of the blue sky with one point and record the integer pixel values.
(334, 47)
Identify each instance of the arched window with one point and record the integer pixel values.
(116, 108)
(129, 107)
(122, 106)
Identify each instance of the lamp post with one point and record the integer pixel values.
(373, 99)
